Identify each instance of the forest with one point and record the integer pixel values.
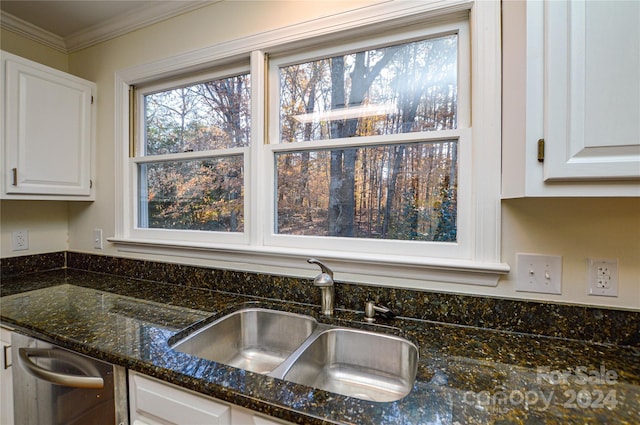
(404, 190)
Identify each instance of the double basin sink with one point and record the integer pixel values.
(353, 362)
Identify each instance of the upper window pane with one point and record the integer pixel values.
(398, 89)
(204, 116)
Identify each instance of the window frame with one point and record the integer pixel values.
(462, 134)
(139, 157)
(479, 264)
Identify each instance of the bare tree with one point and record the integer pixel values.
(343, 161)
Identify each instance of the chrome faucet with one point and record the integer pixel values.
(325, 281)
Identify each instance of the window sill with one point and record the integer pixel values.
(389, 270)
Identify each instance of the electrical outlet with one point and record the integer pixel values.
(603, 277)
(20, 240)
(97, 238)
(538, 273)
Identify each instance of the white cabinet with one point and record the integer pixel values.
(48, 121)
(592, 94)
(570, 77)
(6, 381)
(154, 402)
(242, 416)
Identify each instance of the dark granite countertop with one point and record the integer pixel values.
(466, 375)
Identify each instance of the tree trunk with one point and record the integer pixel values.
(335, 182)
(343, 161)
(398, 155)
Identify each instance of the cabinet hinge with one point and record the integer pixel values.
(541, 150)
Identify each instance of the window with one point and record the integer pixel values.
(193, 136)
(367, 144)
(381, 168)
(360, 149)
(181, 190)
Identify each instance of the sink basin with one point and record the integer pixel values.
(356, 363)
(294, 347)
(253, 339)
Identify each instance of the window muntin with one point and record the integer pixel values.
(400, 191)
(408, 87)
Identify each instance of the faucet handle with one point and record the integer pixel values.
(326, 277)
(323, 267)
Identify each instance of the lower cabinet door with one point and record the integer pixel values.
(6, 380)
(242, 416)
(153, 402)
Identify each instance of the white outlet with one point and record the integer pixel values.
(97, 238)
(20, 240)
(603, 277)
(538, 273)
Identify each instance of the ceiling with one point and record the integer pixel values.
(69, 26)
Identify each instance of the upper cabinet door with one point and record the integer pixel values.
(592, 90)
(571, 78)
(48, 132)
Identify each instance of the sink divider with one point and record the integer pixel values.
(281, 370)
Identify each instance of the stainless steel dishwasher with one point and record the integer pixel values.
(56, 386)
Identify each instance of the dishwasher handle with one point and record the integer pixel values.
(91, 379)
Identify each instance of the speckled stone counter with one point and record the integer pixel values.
(466, 375)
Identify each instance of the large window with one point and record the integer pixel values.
(369, 144)
(190, 148)
(397, 190)
(358, 147)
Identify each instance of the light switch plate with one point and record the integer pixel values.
(538, 273)
(97, 238)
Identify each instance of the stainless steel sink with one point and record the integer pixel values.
(356, 363)
(253, 339)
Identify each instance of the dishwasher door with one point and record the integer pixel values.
(56, 386)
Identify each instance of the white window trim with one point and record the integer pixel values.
(481, 267)
(460, 249)
(141, 158)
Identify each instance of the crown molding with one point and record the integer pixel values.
(138, 18)
(143, 16)
(32, 32)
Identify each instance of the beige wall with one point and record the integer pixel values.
(576, 229)
(46, 221)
